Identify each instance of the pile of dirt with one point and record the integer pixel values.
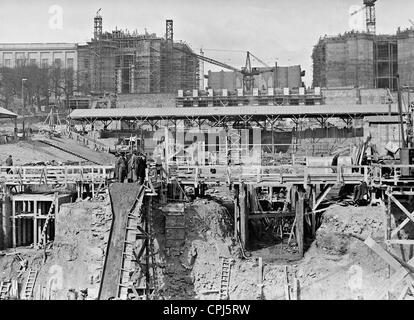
(195, 268)
(338, 266)
(339, 221)
(73, 261)
(77, 256)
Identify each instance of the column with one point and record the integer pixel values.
(244, 230)
(35, 222)
(14, 223)
(300, 208)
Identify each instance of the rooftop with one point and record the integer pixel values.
(211, 112)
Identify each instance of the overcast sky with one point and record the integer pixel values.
(271, 29)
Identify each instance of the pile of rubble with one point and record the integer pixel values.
(76, 259)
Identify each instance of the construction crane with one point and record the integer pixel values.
(247, 71)
(257, 59)
(369, 7)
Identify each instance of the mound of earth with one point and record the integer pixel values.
(77, 256)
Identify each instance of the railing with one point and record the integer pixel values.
(247, 154)
(54, 174)
(373, 175)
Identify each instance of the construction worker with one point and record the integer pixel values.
(116, 173)
(122, 168)
(133, 166)
(158, 165)
(142, 167)
(9, 163)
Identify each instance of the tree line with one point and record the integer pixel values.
(42, 84)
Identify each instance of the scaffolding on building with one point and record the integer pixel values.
(125, 62)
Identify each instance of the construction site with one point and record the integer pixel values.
(250, 187)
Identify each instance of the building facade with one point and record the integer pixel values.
(13, 55)
(118, 62)
(363, 60)
(283, 77)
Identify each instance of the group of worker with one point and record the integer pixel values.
(131, 168)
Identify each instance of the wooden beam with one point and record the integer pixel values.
(270, 214)
(403, 209)
(244, 231)
(382, 253)
(300, 210)
(390, 283)
(322, 196)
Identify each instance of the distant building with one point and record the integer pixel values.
(115, 62)
(364, 60)
(41, 54)
(284, 77)
(125, 62)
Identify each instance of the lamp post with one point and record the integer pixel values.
(23, 82)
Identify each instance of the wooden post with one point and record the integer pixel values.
(15, 128)
(35, 241)
(299, 222)
(388, 226)
(14, 223)
(313, 190)
(23, 224)
(244, 230)
(236, 211)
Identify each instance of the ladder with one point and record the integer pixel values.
(30, 283)
(151, 246)
(128, 247)
(50, 215)
(224, 279)
(4, 289)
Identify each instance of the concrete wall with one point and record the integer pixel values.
(284, 77)
(148, 100)
(406, 59)
(346, 60)
(353, 96)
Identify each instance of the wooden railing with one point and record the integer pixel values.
(26, 175)
(373, 175)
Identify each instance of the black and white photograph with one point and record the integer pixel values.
(212, 156)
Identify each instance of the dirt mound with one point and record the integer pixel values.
(77, 255)
(196, 267)
(339, 221)
(342, 267)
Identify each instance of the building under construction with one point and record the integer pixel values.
(124, 62)
(364, 60)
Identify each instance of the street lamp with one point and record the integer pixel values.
(23, 82)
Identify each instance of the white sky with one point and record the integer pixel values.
(271, 29)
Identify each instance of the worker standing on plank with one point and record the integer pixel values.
(9, 163)
(142, 166)
(122, 168)
(133, 166)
